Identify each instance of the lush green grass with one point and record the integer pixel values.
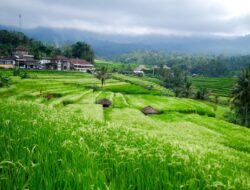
(170, 104)
(131, 89)
(114, 65)
(145, 82)
(70, 142)
(219, 86)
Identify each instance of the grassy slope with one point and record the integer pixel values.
(219, 86)
(114, 65)
(50, 144)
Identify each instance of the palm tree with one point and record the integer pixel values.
(103, 74)
(241, 96)
(187, 88)
(202, 94)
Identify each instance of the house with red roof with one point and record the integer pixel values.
(81, 65)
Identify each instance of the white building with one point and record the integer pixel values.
(60, 63)
(81, 65)
(7, 63)
(43, 62)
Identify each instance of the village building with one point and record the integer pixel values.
(138, 73)
(43, 62)
(81, 65)
(7, 62)
(59, 62)
(23, 59)
(141, 68)
(156, 68)
(166, 67)
(126, 72)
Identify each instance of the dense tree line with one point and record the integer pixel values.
(79, 50)
(206, 65)
(10, 40)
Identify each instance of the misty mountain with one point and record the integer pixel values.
(110, 46)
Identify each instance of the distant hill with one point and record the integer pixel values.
(110, 46)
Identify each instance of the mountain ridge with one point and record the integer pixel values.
(110, 46)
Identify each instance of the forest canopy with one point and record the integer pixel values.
(10, 40)
(206, 65)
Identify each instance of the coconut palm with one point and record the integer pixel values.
(187, 88)
(103, 74)
(202, 94)
(241, 96)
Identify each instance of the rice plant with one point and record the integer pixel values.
(70, 142)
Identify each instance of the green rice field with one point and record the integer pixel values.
(114, 65)
(54, 135)
(218, 86)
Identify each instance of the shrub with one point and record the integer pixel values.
(16, 71)
(4, 81)
(95, 88)
(25, 75)
(202, 94)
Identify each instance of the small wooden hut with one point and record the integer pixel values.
(149, 110)
(105, 103)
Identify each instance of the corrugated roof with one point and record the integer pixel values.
(79, 61)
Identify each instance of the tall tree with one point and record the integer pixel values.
(187, 88)
(103, 74)
(202, 94)
(175, 80)
(241, 96)
(82, 50)
(10, 40)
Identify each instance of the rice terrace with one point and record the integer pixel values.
(124, 95)
(54, 135)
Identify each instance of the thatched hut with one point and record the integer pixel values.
(105, 103)
(149, 110)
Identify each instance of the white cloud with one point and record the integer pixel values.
(130, 17)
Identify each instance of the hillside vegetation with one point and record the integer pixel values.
(11, 40)
(218, 86)
(205, 65)
(54, 136)
(114, 66)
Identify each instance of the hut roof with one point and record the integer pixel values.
(149, 110)
(79, 62)
(105, 102)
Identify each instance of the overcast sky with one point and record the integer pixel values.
(133, 17)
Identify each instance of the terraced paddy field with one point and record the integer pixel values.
(54, 136)
(219, 86)
(115, 65)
